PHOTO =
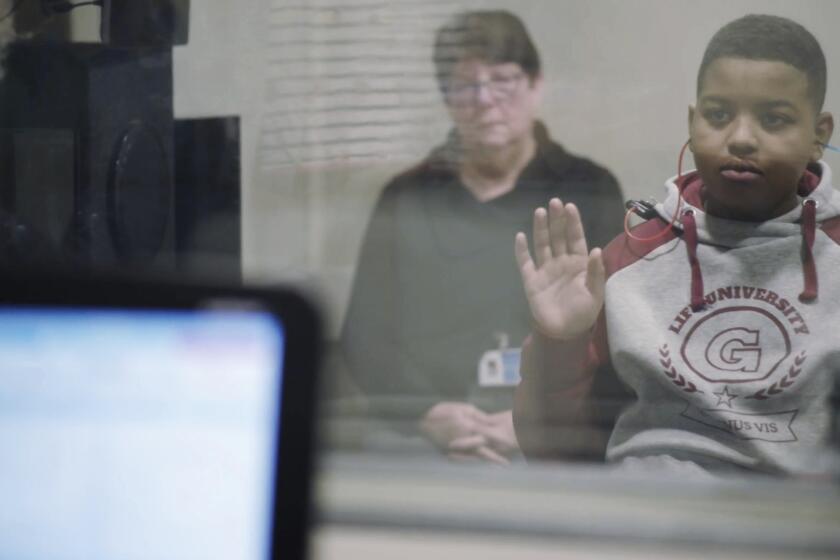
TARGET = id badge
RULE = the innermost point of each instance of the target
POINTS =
(499, 368)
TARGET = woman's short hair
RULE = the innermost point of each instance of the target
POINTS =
(493, 36)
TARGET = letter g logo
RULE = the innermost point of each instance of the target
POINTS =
(735, 349)
(719, 352)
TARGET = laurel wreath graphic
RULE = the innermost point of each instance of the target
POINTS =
(785, 382)
(671, 372)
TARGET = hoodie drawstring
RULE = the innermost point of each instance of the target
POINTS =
(809, 267)
(690, 229)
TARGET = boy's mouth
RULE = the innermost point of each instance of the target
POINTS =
(740, 171)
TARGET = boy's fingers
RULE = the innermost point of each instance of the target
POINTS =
(596, 274)
(542, 242)
(523, 256)
(557, 226)
(575, 238)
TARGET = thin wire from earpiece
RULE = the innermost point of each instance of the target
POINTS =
(676, 212)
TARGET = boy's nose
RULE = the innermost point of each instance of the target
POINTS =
(742, 139)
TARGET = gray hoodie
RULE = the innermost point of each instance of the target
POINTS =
(719, 330)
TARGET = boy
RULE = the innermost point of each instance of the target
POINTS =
(709, 314)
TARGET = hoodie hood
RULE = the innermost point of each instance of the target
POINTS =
(816, 185)
(818, 202)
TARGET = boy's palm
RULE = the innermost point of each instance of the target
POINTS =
(564, 283)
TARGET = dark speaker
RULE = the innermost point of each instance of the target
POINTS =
(139, 23)
(86, 150)
(208, 235)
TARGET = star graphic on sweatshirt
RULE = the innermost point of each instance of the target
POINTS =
(725, 397)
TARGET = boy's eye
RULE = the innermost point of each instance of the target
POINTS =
(773, 120)
(717, 116)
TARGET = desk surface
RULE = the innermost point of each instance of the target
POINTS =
(373, 506)
(357, 543)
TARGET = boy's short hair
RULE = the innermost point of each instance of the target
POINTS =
(771, 38)
(493, 36)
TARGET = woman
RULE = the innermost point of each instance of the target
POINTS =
(436, 285)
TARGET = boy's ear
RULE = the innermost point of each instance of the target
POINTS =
(690, 127)
(823, 129)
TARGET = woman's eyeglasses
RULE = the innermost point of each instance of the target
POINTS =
(501, 88)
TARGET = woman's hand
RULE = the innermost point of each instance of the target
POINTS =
(464, 432)
(495, 440)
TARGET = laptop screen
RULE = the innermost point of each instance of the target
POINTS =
(138, 433)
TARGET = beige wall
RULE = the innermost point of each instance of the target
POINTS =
(620, 75)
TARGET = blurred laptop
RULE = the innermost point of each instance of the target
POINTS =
(150, 420)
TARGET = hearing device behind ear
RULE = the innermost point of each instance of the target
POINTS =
(647, 209)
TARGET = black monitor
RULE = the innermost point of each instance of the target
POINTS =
(145, 419)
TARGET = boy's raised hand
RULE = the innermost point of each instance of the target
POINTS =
(564, 283)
